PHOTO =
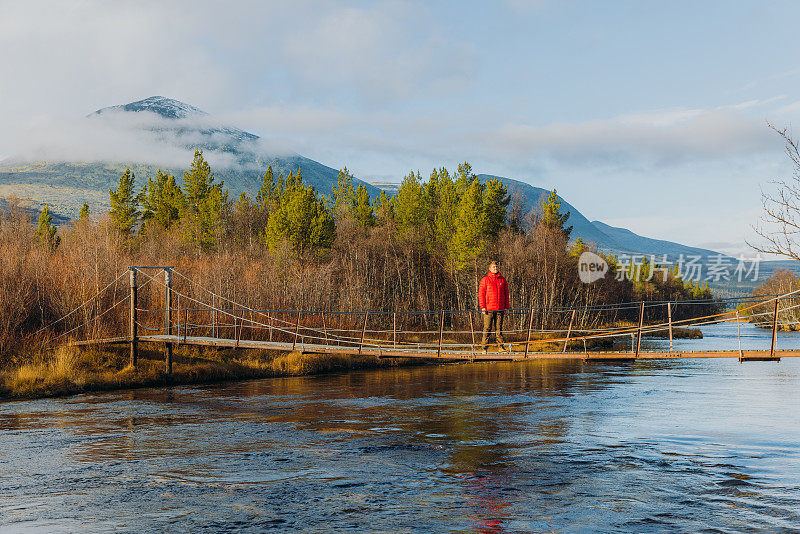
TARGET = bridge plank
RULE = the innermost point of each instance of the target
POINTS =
(446, 354)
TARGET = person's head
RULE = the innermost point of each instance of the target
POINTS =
(494, 267)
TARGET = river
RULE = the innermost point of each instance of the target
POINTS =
(566, 446)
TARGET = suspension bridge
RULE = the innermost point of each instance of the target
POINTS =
(168, 308)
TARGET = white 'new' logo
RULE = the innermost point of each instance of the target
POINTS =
(591, 267)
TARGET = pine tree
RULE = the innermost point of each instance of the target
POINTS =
(464, 177)
(268, 193)
(293, 181)
(46, 231)
(124, 204)
(343, 197)
(431, 201)
(197, 181)
(163, 201)
(204, 203)
(301, 219)
(209, 217)
(552, 217)
(448, 208)
(470, 226)
(578, 247)
(409, 204)
(495, 205)
(84, 214)
(362, 211)
(383, 208)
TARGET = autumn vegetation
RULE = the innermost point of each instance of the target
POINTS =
(780, 282)
(287, 246)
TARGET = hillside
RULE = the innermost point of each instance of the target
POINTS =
(605, 237)
(171, 128)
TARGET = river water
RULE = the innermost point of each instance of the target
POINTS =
(648, 446)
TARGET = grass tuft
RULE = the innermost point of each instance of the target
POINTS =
(69, 370)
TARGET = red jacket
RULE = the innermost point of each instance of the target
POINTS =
(493, 293)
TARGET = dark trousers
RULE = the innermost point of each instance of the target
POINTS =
(492, 320)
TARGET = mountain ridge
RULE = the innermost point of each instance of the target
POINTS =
(607, 238)
(159, 121)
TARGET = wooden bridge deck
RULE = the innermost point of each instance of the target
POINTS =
(446, 354)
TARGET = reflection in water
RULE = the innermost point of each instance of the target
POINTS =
(492, 447)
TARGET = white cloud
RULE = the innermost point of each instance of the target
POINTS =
(120, 137)
(386, 50)
(656, 139)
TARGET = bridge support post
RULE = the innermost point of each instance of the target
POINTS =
(134, 320)
(472, 329)
(669, 319)
(394, 329)
(441, 334)
(774, 330)
(237, 325)
(528, 339)
(325, 328)
(168, 319)
(296, 328)
(639, 331)
(739, 335)
(569, 330)
(363, 331)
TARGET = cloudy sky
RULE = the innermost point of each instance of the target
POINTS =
(649, 115)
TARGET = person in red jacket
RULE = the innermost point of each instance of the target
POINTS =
(493, 300)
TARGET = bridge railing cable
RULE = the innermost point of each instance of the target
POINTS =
(79, 307)
(234, 315)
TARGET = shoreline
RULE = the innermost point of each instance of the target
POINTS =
(69, 371)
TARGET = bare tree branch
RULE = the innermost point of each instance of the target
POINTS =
(780, 222)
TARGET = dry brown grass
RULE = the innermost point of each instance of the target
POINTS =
(69, 370)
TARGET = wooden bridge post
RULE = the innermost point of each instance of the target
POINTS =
(324, 327)
(774, 330)
(472, 329)
(168, 319)
(739, 335)
(394, 329)
(363, 331)
(569, 330)
(296, 328)
(237, 326)
(528, 339)
(669, 319)
(441, 334)
(639, 331)
(134, 339)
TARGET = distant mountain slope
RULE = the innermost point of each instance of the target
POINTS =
(628, 241)
(158, 122)
(605, 237)
(33, 210)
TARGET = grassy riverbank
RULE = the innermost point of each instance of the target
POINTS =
(68, 370)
